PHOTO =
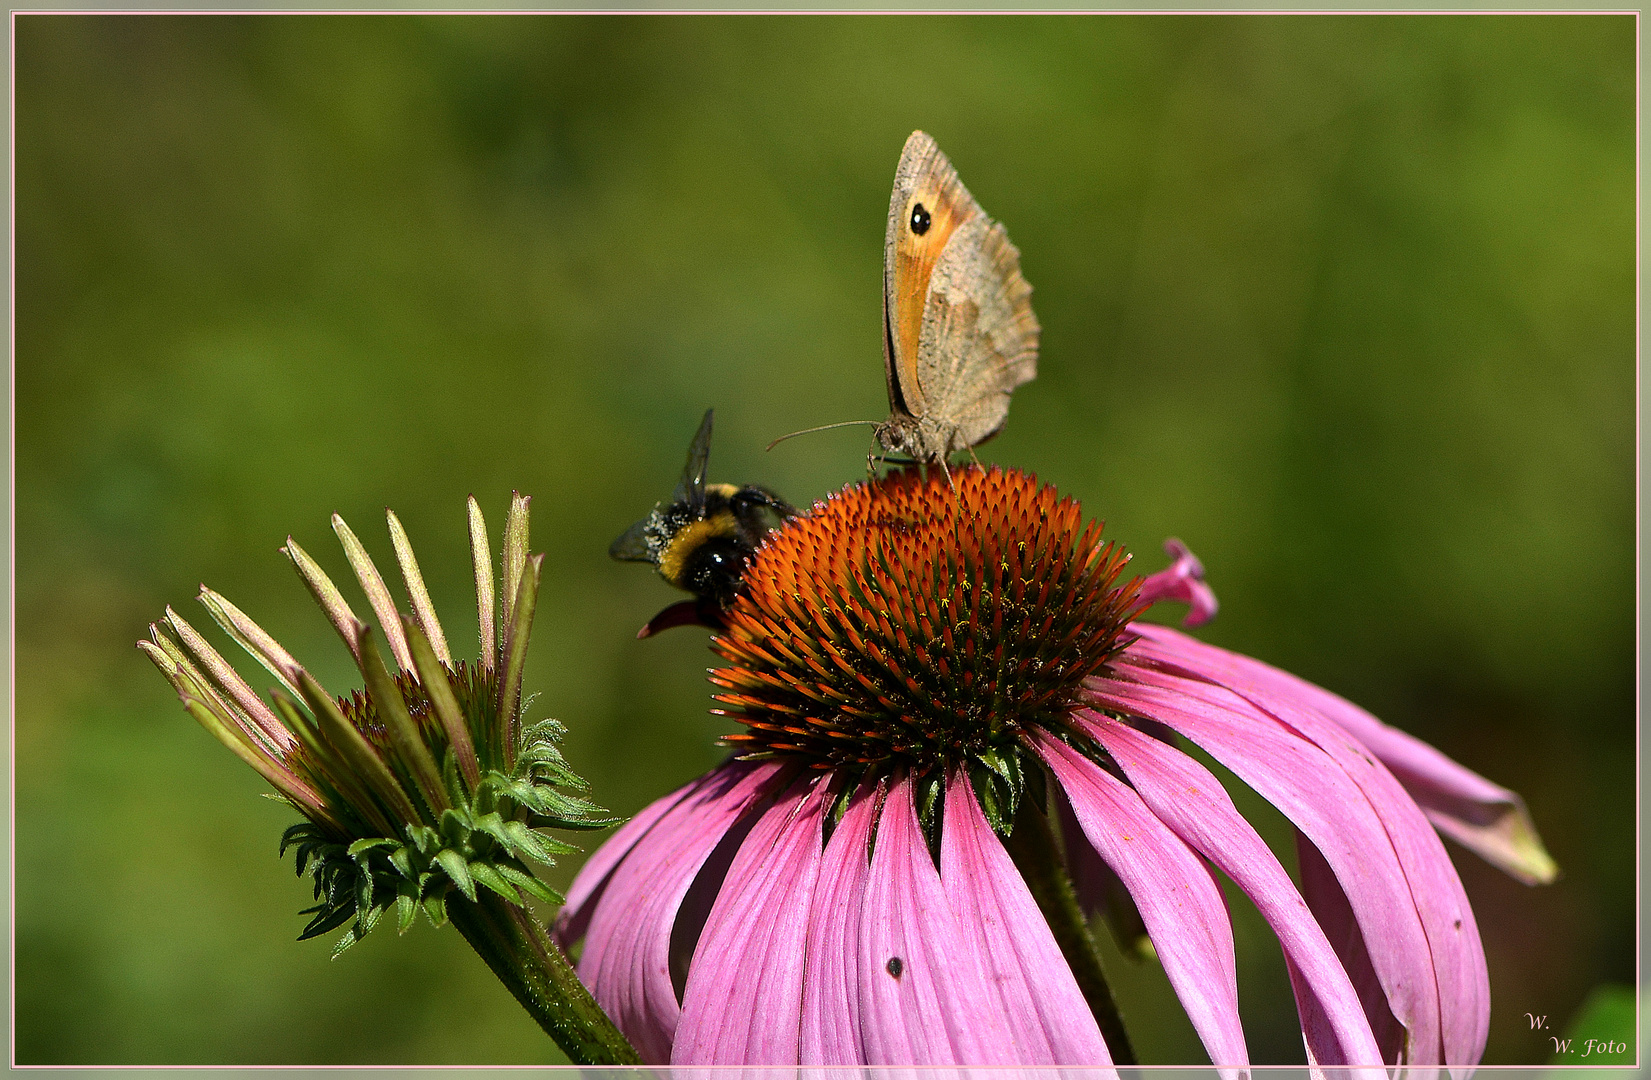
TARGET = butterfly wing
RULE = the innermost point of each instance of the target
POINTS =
(928, 205)
(978, 338)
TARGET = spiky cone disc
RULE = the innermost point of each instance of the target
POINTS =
(920, 622)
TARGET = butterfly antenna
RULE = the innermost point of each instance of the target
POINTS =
(822, 427)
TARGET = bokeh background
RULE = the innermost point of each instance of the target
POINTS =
(1345, 302)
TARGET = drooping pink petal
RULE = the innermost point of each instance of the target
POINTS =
(1182, 580)
(592, 879)
(1191, 801)
(1326, 804)
(1099, 890)
(1178, 898)
(1049, 1021)
(743, 1001)
(921, 975)
(1334, 913)
(626, 962)
(1453, 937)
(831, 984)
(1483, 817)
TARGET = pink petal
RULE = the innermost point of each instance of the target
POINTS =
(1334, 913)
(1099, 890)
(1483, 817)
(1323, 802)
(743, 1001)
(1027, 977)
(590, 883)
(831, 987)
(1192, 802)
(920, 973)
(1183, 580)
(626, 962)
(1178, 898)
(1453, 937)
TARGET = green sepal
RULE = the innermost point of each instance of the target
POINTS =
(999, 784)
(424, 838)
(455, 829)
(929, 789)
(456, 789)
(458, 871)
(538, 846)
(435, 907)
(529, 884)
(326, 918)
(406, 906)
(485, 874)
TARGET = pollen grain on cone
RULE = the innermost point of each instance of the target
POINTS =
(920, 622)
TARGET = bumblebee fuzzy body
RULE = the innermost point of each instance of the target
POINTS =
(703, 549)
(700, 540)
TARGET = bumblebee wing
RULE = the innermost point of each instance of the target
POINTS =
(691, 488)
(633, 545)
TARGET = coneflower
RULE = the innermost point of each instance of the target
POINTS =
(425, 790)
(948, 716)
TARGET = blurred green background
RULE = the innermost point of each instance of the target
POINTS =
(1345, 302)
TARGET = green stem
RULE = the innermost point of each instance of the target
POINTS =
(527, 961)
(1032, 846)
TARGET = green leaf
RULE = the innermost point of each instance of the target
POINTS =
(456, 789)
(492, 825)
(522, 841)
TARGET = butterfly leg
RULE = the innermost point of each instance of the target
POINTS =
(949, 481)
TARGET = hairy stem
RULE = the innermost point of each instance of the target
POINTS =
(527, 961)
(1032, 847)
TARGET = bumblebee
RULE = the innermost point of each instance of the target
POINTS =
(700, 539)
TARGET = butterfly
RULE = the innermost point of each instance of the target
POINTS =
(958, 329)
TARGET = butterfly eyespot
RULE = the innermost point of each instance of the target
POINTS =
(919, 219)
